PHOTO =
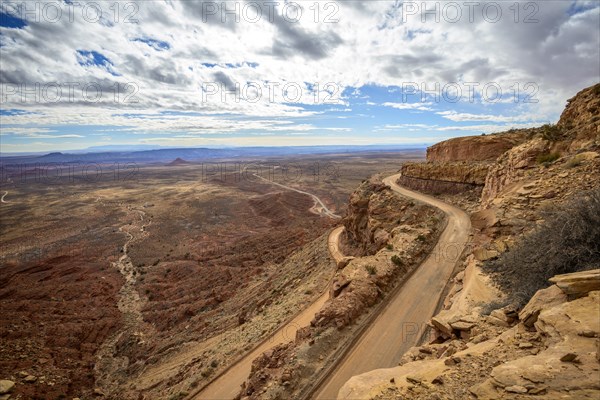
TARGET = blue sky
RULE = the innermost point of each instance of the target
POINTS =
(325, 73)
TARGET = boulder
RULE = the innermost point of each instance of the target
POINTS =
(544, 298)
(341, 264)
(578, 284)
(6, 386)
(441, 322)
(338, 285)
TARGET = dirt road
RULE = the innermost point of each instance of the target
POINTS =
(318, 208)
(2, 198)
(398, 326)
(227, 386)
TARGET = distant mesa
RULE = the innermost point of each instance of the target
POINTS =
(179, 161)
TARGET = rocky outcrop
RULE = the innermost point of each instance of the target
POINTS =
(373, 212)
(579, 283)
(580, 121)
(512, 166)
(450, 177)
(475, 148)
(557, 356)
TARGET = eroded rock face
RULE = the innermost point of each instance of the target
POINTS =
(475, 148)
(581, 118)
(511, 167)
(373, 212)
(444, 177)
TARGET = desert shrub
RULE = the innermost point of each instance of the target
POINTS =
(574, 162)
(178, 396)
(551, 132)
(487, 308)
(397, 260)
(547, 158)
(567, 241)
(371, 269)
(389, 246)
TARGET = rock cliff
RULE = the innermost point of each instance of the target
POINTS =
(444, 177)
(475, 148)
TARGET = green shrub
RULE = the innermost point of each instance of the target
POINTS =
(397, 260)
(547, 158)
(551, 132)
(389, 246)
(371, 269)
(567, 241)
(574, 162)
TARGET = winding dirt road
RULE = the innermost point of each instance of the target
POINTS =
(399, 325)
(397, 328)
(227, 386)
(319, 207)
(2, 198)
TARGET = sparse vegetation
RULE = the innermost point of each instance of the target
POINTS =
(574, 162)
(371, 269)
(487, 308)
(389, 246)
(397, 260)
(178, 396)
(551, 132)
(547, 158)
(568, 241)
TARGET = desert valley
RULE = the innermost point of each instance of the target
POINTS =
(299, 200)
(283, 277)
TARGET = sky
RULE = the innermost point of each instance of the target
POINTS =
(75, 74)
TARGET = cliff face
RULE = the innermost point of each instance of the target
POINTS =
(372, 214)
(447, 177)
(573, 142)
(475, 148)
(461, 164)
(581, 118)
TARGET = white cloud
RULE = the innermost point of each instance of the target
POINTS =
(370, 44)
(468, 117)
(409, 106)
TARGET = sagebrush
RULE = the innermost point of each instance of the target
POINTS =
(567, 241)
